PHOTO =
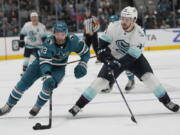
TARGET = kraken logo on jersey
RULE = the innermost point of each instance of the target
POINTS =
(123, 46)
(32, 36)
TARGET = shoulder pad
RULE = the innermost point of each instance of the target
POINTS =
(73, 37)
(141, 32)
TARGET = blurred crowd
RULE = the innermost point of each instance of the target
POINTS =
(14, 13)
(164, 16)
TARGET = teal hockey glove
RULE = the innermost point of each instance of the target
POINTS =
(80, 70)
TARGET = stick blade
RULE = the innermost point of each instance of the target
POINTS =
(38, 126)
(133, 119)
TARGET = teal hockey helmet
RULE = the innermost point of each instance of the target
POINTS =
(61, 26)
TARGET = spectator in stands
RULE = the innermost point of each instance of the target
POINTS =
(170, 18)
(150, 20)
(14, 23)
(164, 25)
(163, 6)
(6, 27)
(72, 11)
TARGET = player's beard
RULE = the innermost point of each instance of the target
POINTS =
(126, 27)
(60, 41)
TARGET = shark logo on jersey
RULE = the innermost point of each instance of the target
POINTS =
(50, 41)
(71, 37)
(122, 45)
(63, 53)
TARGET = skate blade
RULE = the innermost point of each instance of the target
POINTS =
(31, 117)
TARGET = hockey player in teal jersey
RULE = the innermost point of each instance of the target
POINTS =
(50, 65)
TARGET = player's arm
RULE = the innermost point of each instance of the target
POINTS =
(22, 35)
(44, 35)
(105, 40)
(135, 50)
(105, 56)
(83, 51)
(45, 56)
(133, 53)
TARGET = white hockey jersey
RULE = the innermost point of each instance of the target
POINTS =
(122, 43)
(33, 34)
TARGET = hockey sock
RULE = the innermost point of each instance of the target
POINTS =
(14, 97)
(130, 75)
(86, 97)
(159, 91)
(43, 97)
(165, 99)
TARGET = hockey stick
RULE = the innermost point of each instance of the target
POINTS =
(38, 126)
(79, 60)
(132, 115)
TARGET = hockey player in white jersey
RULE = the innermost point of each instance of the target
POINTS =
(31, 36)
(131, 81)
(121, 48)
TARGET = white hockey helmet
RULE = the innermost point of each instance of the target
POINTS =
(130, 12)
(34, 14)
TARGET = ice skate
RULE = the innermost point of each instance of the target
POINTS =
(5, 109)
(74, 110)
(34, 111)
(130, 85)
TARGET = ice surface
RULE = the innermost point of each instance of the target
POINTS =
(107, 113)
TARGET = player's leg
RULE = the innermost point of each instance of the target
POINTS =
(144, 72)
(48, 86)
(101, 82)
(88, 40)
(128, 87)
(29, 77)
(109, 88)
(131, 82)
(95, 45)
(33, 56)
(27, 53)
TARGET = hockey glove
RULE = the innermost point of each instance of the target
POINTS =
(104, 54)
(80, 70)
(48, 82)
(113, 64)
(21, 43)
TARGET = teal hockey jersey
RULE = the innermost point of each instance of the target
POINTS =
(52, 54)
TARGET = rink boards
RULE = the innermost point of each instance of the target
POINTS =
(157, 39)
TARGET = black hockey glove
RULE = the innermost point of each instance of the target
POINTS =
(21, 43)
(113, 64)
(104, 54)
